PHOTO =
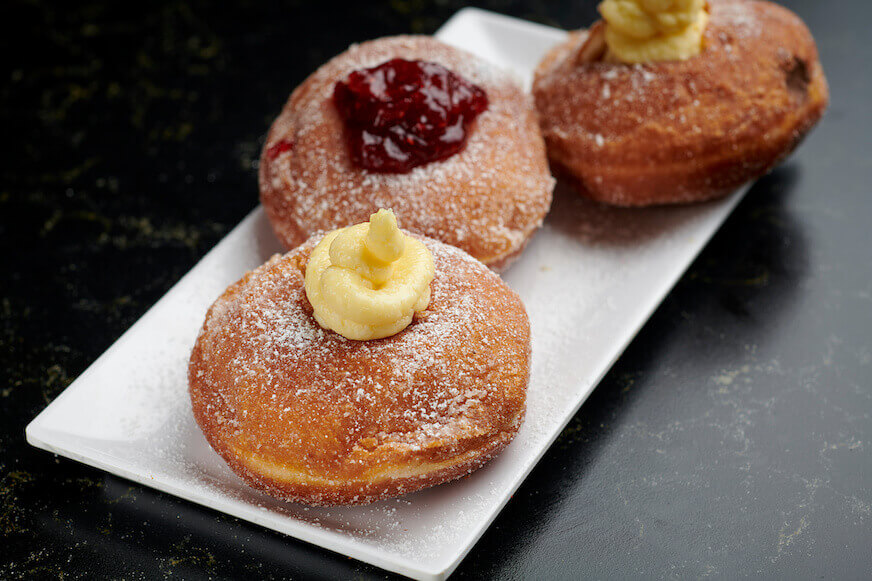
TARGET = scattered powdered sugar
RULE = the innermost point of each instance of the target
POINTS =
(740, 17)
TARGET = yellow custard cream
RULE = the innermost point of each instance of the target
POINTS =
(643, 31)
(367, 281)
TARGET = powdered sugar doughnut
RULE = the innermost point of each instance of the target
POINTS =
(488, 199)
(682, 131)
(309, 416)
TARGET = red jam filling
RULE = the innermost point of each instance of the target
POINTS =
(402, 114)
(273, 151)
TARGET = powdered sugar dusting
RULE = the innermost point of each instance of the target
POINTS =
(741, 18)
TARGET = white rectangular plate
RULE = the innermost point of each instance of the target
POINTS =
(590, 280)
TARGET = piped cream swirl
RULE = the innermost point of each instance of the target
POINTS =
(642, 31)
(367, 281)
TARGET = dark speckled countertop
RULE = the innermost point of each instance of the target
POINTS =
(732, 439)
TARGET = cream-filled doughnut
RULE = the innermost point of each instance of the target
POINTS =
(307, 415)
(739, 89)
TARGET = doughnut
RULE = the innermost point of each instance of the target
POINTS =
(685, 130)
(487, 199)
(308, 416)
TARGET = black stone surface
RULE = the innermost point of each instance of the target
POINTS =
(732, 439)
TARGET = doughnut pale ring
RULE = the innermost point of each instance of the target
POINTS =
(309, 416)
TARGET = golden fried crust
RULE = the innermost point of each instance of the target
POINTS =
(683, 131)
(309, 416)
(488, 199)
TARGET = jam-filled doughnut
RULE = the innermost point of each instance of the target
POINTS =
(689, 129)
(447, 140)
(307, 415)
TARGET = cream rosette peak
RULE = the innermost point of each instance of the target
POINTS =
(367, 281)
(642, 31)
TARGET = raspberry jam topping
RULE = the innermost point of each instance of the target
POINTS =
(402, 114)
(279, 148)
